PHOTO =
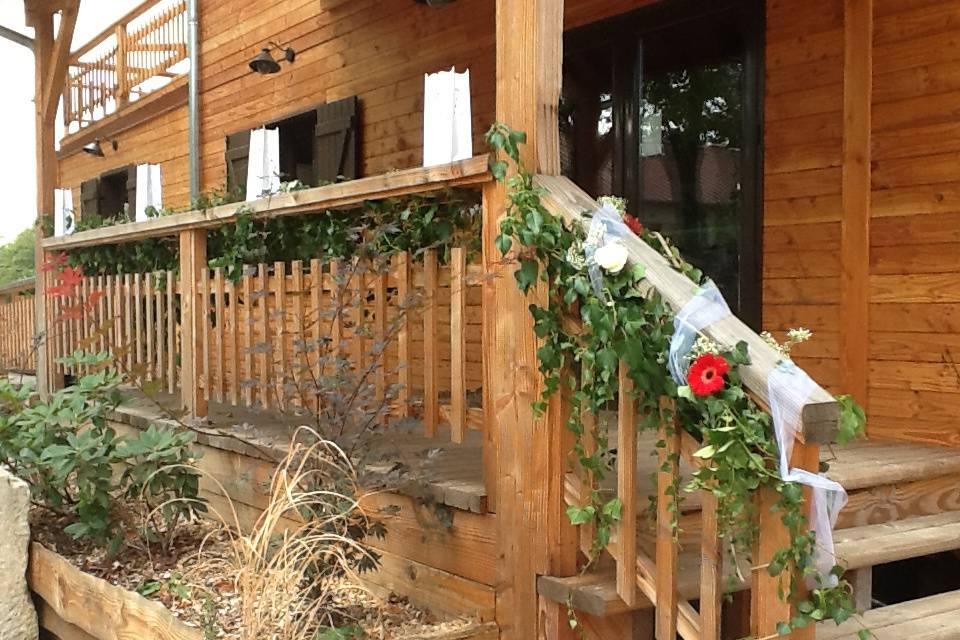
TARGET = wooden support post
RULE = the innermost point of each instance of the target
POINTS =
(667, 557)
(855, 220)
(767, 609)
(531, 468)
(123, 84)
(193, 265)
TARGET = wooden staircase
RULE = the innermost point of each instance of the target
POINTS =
(904, 504)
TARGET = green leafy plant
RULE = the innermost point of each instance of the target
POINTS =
(626, 321)
(65, 448)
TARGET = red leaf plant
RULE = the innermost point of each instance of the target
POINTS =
(706, 374)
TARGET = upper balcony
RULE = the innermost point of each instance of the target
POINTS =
(142, 52)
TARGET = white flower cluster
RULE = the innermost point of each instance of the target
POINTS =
(794, 337)
(701, 346)
(618, 204)
(575, 257)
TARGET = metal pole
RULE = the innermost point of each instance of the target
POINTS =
(16, 36)
(194, 98)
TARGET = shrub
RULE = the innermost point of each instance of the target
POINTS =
(78, 466)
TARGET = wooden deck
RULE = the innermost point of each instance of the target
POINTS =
(446, 473)
(886, 480)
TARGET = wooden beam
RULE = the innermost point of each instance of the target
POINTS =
(340, 195)
(531, 538)
(57, 70)
(15, 36)
(855, 221)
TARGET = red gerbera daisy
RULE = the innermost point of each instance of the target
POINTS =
(706, 374)
(633, 223)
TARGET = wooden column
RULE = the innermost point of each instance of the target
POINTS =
(193, 263)
(855, 221)
(534, 536)
(50, 59)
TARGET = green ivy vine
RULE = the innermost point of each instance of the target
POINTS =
(411, 223)
(585, 336)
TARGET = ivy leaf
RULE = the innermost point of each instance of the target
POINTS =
(498, 169)
(527, 274)
(685, 392)
(864, 634)
(705, 453)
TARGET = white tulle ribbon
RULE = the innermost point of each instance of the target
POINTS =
(706, 307)
(789, 387)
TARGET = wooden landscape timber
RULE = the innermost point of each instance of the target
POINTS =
(96, 608)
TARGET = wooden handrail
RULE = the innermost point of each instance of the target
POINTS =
(340, 195)
(131, 15)
(820, 414)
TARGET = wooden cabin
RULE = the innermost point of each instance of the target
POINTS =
(804, 154)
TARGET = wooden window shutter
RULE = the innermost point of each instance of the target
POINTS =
(238, 150)
(131, 209)
(90, 198)
(336, 146)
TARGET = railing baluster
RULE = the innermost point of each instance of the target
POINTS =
(627, 490)
(431, 364)
(380, 336)
(151, 330)
(666, 546)
(711, 569)
(264, 346)
(315, 317)
(162, 312)
(205, 332)
(458, 344)
(220, 316)
(248, 342)
(404, 337)
(171, 334)
(234, 344)
(280, 318)
(128, 320)
(298, 347)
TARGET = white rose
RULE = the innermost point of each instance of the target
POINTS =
(611, 257)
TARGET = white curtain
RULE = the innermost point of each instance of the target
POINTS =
(149, 189)
(63, 218)
(447, 122)
(263, 163)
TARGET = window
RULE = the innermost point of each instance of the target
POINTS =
(317, 147)
(662, 107)
(112, 195)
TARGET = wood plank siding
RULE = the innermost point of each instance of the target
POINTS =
(379, 50)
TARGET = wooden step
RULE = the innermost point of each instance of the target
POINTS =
(858, 547)
(933, 618)
(875, 544)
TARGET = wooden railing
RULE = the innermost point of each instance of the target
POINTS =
(653, 572)
(242, 343)
(136, 55)
(16, 328)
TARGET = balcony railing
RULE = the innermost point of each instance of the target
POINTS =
(140, 53)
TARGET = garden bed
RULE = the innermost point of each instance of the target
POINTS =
(80, 604)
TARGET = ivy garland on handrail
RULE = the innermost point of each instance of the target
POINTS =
(583, 340)
(387, 226)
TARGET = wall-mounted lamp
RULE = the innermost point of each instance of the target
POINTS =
(95, 148)
(265, 63)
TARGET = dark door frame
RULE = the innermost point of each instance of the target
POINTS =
(627, 79)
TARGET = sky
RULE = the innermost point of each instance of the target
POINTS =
(17, 161)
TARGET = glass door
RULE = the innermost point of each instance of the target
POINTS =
(661, 107)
